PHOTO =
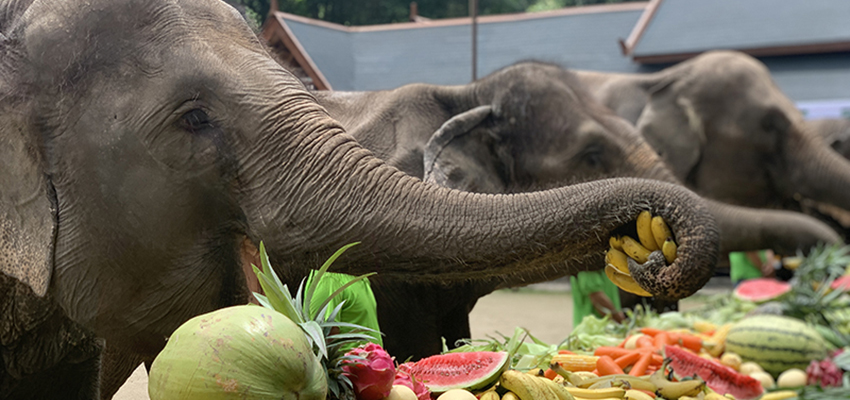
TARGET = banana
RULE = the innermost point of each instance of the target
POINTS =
(625, 281)
(635, 250)
(560, 390)
(669, 249)
(526, 387)
(489, 395)
(536, 371)
(780, 395)
(510, 396)
(633, 394)
(675, 390)
(618, 259)
(644, 231)
(617, 393)
(633, 382)
(615, 242)
(660, 231)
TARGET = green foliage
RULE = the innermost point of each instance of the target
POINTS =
(370, 12)
(320, 329)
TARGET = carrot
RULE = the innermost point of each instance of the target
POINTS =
(673, 338)
(650, 331)
(660, 340)
(550, 373)
(656, 359)
(613, 352)
(691, 342)
(644, 342)
(606, 366)
(628, 359)
(651, 394)
(565, 352)
(639, 369)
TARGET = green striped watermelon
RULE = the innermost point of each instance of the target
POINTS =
(776, 343)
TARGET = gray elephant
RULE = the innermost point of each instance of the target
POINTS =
(143, 141)
(728, 132)
(527, 127)
(836, 134)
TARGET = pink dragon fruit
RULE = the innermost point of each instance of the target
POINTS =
(824, 373)
(372, 377)
(403, 377)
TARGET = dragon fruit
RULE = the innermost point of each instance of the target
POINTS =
(824, 373)
(373, 375)
(403, 377)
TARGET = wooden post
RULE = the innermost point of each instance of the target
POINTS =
(273, 7)
(473, 12)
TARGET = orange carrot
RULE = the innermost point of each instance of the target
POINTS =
(639, 369)
(644, 342)
(650, 331)
(565, 352)
(673, 338)
(606, 366)
(651, 394)
(660, 340)
(691, 342)
(613, 352)
(550, 373)
(628, 359)
(656, 359)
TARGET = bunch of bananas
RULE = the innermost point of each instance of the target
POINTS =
(530, 387)
(653, 235)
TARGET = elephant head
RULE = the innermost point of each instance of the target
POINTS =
(728, 132)
(147, 139)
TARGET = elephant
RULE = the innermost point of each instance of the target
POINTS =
(836, 133)
(143, 141)
(526, 127)
(727, 131)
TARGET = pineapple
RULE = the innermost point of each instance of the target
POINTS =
(321, 329)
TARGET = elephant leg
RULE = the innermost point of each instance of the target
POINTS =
(117, 365)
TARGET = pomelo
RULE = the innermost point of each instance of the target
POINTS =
(761, 289)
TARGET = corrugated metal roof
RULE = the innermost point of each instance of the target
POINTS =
(693, 26)
(441, 54)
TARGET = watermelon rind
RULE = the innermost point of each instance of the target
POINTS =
(776, 343)
(466, 370)
(761, 290)
(718, 377)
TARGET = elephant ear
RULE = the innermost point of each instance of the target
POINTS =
(672, 126)
(459, 155)
(27, 213)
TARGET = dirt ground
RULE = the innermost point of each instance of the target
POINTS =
(545, 310)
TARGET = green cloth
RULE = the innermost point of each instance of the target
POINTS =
(359, 308)
(585, 283)
(741, 268)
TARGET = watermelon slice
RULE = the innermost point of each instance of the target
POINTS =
(471, 370)
(718, 377)
(761, 289)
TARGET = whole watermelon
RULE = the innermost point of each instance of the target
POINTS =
(240, 352)
(776, 343)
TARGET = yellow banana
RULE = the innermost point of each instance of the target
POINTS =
(559, 390)
(633, 394)
(618, 259)
(616, 393)
(536, 371)
(714, 396)
(510, 396)
(615, 242)
(644, 231)
(625, 281)
(660, 231)
(669, 249)
(635, 250)
(633, 382)
(525, 386)
(675, 390)
(780, 395)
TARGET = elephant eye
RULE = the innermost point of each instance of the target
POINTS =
(593, 156)
(195, 121)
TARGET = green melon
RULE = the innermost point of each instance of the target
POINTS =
(775, 343)
(241, 352)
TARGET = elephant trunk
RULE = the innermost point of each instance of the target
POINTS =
(747, 229)
(332, 192)
(816, 172)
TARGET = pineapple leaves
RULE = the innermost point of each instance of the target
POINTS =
(316, 336)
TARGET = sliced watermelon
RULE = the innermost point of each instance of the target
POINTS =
(841, 283)
(470, 370)
(718, 377)
(761, 289)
